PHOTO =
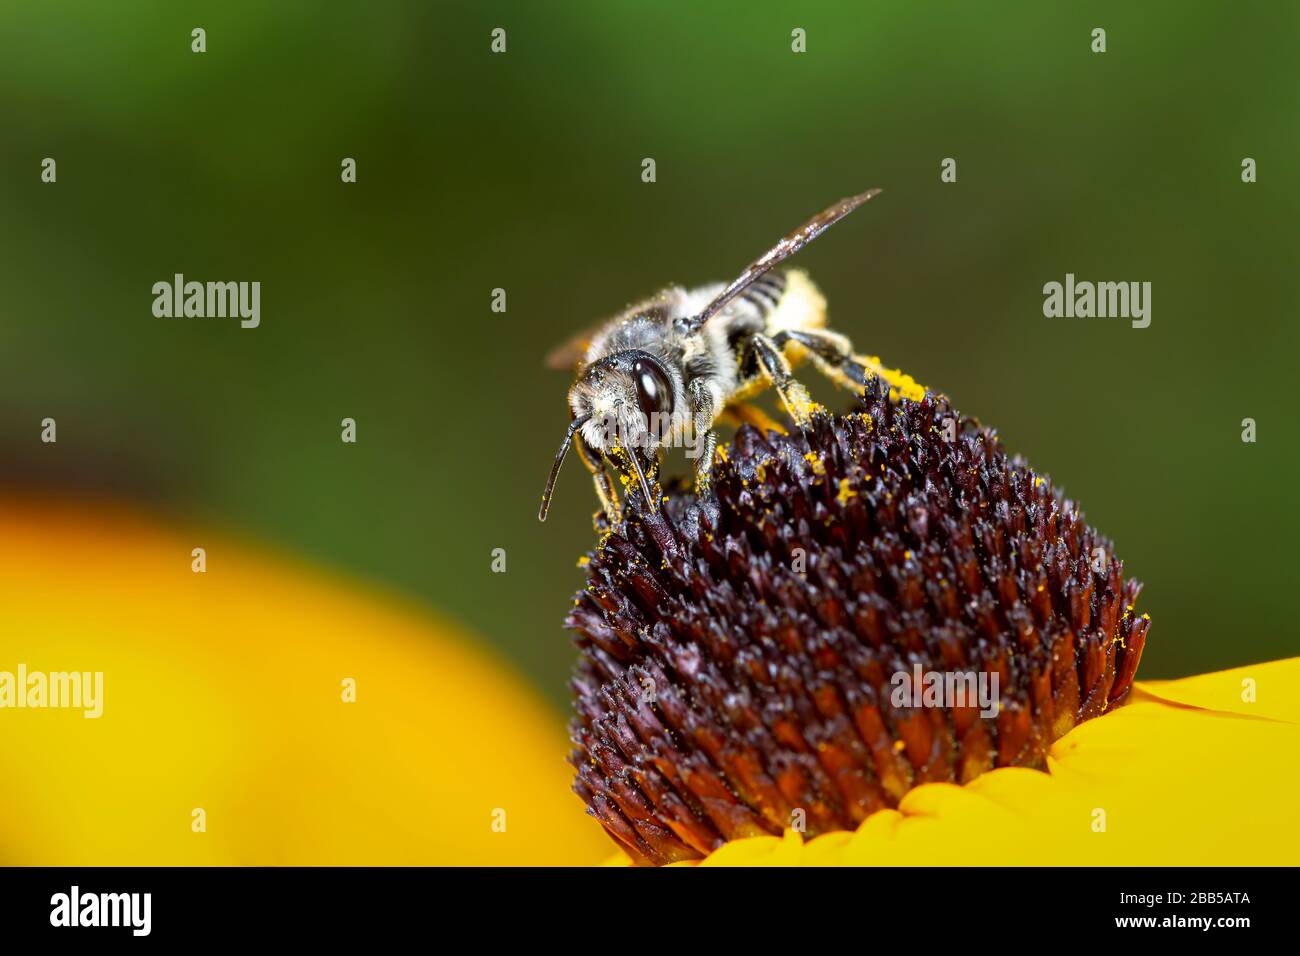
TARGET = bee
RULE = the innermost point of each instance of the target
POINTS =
(663, 371)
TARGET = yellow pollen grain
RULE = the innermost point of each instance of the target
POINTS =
(846, 492)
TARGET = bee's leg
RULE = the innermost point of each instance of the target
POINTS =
(604, 484)
(704, 412)
(833, 354)
(704, 465)
(793, 395)
(637, 470)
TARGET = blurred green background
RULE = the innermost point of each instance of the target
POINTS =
(522, 171)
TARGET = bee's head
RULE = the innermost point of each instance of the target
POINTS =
(625, 403)
(628, 399)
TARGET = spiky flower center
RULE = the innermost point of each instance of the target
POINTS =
(745, 675)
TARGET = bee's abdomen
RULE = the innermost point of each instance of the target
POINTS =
(792, 302)
(766, 292)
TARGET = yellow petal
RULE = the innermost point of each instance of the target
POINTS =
(786, 850)
(1257, 690)
(1190, 773)
(223, 692)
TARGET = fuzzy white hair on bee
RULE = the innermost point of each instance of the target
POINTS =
(665, 369)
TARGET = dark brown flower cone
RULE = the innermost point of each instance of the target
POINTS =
(738, 671)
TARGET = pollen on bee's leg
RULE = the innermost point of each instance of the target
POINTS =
(881, 600)
(798, 403)
(901, 385)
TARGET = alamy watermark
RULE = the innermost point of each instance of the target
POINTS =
(918, 688)
(75, 908)
(634, 429)
(1101, 300)
(212, 300)
(72, 690)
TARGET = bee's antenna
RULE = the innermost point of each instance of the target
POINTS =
(559, 460)
(783, 250)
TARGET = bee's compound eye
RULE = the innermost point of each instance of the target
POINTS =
(653, 393)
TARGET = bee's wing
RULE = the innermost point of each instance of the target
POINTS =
(567, 357)
(660, 307)
(783, 250)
